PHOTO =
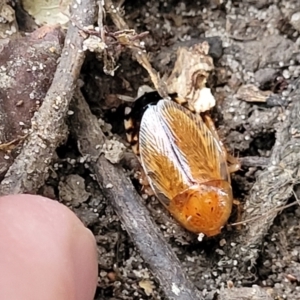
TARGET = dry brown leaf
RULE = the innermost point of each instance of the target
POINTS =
(189, 76)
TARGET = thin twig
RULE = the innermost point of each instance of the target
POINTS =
(271, 191)
(254, 161)
(120, 192)
(140, 55)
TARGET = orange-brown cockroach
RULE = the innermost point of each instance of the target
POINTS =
(186, 167)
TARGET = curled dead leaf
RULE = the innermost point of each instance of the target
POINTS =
(189, 76)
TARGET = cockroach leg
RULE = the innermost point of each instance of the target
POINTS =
(239, 210)
(237, 216)
(144, 182)
(233, 163)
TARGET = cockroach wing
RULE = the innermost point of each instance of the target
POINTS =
(197, 149)
(159, 161)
